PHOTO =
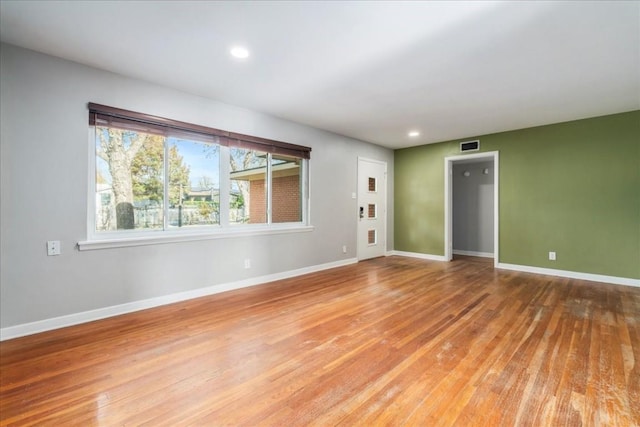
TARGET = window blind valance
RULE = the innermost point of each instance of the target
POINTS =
(102, 115)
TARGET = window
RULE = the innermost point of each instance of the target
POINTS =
(130, 181)
(373, 211)
(194, 183)
(154, 175)
(372, 237)
(373, 185)
(286, 182)
(248, 178)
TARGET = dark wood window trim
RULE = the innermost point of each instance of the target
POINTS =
(103, 115)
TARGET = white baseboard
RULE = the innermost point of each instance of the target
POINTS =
(571, 274)
(102, 313)
(537, 270)
(473, 253)
(418, 255)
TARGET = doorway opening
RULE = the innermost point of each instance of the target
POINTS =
(471, 206)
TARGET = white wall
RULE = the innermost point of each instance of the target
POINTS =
(473, 207)
(44, 173)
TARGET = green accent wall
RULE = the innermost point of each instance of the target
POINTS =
(572, 188)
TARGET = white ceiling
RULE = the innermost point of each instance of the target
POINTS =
(369, 70)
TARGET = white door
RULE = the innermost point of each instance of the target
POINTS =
(372, 208)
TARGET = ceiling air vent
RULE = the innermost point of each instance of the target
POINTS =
(470, 145)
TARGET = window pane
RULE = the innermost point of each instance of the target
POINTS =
(372, 237)
(194, 183)
(247, 201)
(372, 211)
(129, 180)
(285, 184)
(372, 185)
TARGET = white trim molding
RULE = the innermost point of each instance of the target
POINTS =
(448, 200)
(529, 269)
(571, 274)
(161, 237)
(418, 255)
(473, 253)
(116, 310)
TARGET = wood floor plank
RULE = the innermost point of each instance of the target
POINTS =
(390, 341)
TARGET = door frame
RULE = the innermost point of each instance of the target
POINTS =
(384, 210)
(448, 200)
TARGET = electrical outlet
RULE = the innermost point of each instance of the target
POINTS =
(344, 249)
(552, 256)
(53, 247)
(247, 263)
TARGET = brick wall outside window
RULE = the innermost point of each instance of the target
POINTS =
(257, 203)
(285, 200)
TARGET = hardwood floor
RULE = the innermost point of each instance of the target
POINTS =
(390, 341)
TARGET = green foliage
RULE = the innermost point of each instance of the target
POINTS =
(205, 209)
(179, 184)
(237, 202)
(147, 170)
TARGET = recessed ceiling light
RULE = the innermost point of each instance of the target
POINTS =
(414, 133)
(239, 52)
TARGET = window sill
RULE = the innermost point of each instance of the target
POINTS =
(162, 237)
